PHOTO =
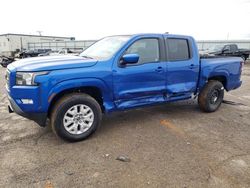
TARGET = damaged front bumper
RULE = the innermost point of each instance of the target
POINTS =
(39, 118)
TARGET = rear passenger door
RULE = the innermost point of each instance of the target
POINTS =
(182, 68)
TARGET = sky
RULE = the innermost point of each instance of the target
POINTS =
(94, 19)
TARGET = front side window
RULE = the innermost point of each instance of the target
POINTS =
(227, 48)
(216, 48)
(233, 48)
(147, 49)
(105, 48)
(178, 49)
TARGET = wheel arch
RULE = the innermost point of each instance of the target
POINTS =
(93, 87)
(220, 78)
(93, 91)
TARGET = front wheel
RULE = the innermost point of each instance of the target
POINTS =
(75, 117)
(211, 97)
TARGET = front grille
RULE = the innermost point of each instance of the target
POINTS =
(7, 77)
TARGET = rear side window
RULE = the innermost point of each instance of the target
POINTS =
(178, 49)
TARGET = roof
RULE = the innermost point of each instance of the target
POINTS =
(161, 34)
(15, 34)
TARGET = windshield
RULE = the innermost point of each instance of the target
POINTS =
(105, 48)
(216, 48)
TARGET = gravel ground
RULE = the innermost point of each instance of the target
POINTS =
(172, 145)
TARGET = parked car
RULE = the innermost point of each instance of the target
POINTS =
(230, 50)
(5, 61)
(117, 73)
(32, 53)
(67, 51)
(45, 54)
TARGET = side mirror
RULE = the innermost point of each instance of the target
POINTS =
(129, 59)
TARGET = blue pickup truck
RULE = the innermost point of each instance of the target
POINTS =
(117, 73)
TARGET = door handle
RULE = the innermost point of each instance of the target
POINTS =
(159, 69)
(192, 66)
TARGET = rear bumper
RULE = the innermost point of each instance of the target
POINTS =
(39, 118)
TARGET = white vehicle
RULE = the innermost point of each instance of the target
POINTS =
(66, 51)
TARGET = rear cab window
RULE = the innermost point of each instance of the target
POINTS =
(178, 49)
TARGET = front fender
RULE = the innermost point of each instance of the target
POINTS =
(84, 82)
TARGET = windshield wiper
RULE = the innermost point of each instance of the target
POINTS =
(88, 57)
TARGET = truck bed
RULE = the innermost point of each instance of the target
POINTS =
(229, 69)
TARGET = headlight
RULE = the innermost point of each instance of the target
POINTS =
(27, 78)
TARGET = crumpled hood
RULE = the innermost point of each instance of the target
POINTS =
(52, 63)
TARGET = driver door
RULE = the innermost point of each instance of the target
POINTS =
(144, 82)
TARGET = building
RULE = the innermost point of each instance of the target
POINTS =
(10, 43)
(57, 45)
(207, 44)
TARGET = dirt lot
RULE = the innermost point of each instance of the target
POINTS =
(173, 145)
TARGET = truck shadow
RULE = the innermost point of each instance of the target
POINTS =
(153, 114)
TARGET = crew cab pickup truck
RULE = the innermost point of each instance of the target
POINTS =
(230, 50)
(117, 73)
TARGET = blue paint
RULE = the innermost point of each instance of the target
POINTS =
(122, 87)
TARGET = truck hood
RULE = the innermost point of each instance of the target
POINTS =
(52, 63)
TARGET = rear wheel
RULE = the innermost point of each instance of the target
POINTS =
(211, 97)
(75, 117)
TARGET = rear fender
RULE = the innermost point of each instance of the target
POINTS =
(208, 73)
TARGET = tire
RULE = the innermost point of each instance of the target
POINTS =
(74, 108)
(211, 96)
